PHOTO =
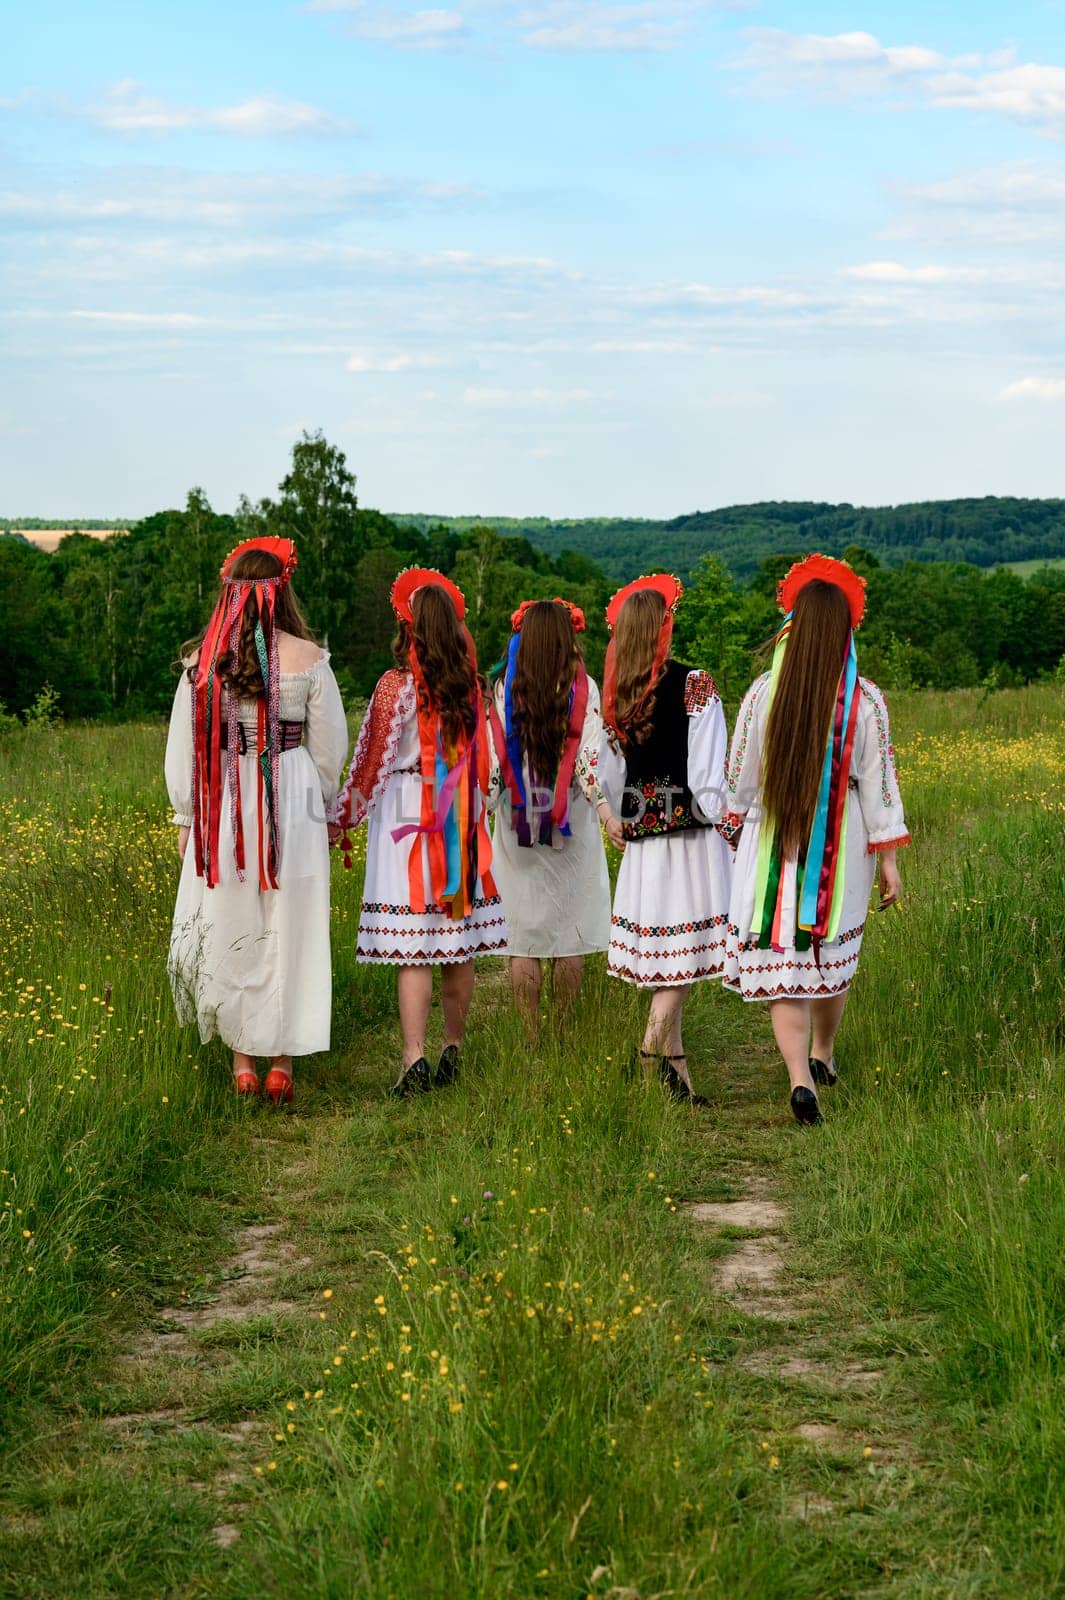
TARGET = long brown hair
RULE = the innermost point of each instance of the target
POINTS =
(800, 717)
(440, 642)
(242, 672)
(635, 641)
(546, 665)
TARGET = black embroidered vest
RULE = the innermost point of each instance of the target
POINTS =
(657, 797)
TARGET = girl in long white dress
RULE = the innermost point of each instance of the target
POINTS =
(814, 802)
(257, 739)
(420, 773)
(549, 861)
(662, 768)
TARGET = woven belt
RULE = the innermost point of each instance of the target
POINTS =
(407, 772)
(291, 736)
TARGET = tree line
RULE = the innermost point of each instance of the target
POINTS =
(982, 532)
(98, 622)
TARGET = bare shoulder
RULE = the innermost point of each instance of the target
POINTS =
(298, 655)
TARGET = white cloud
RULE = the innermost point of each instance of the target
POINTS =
(1017, 203)
(894, 272)
(1035, 389)
(119, 319)
(169, 196)
(853, 65)
(127, 109)
(363, 361)
(500, 399)
(555, 25)
(583, 25)
(426, 29)
(1027, 93)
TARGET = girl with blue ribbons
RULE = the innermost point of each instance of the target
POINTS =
(548, 860)
(813, 800)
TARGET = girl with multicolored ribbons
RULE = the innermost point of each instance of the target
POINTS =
(814, 800)
(420, 773)
(257, 740)
(549, 864)
(662, 767)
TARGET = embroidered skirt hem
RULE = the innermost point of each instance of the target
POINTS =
(394, 935)
(756, 974)
(670, 910)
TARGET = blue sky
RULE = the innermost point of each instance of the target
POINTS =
(543, 257)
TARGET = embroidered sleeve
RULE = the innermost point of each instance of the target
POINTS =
(178, 766)
(586, 771)
(730, 827)
(707, 745)
(876, 775)
(744, 776)
(700, 691)
(375, 750)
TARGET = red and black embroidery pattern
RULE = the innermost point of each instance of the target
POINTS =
(700, 691)
(730, 827)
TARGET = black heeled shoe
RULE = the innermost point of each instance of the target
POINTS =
(415, 1079)
(824, 1072)
(447, 1068)
(804, 1106)
(675, 1085)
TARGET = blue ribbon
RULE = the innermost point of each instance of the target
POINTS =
(819, 833)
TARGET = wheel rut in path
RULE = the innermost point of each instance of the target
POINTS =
(176, 1352)
(835, 1418)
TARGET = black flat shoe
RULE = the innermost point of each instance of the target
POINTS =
(824, 1072)
(415, 1079)
(805, 1107)
(447, 1068)
(675, 1085)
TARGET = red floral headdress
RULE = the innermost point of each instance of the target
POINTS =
(412, 579)
(829, 570)
(214, 709)
(671, 589)
(576, 615)
(283, 549)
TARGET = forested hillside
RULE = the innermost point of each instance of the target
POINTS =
(98, 624)
(983, 532)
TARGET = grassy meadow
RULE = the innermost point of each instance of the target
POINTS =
(492, 1360)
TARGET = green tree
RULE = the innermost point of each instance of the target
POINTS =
(316, 507)
(712, 629)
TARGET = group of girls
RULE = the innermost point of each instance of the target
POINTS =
(754, 867)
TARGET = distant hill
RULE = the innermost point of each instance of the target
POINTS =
(984, 532)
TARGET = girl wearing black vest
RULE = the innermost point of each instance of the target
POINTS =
(662, 767)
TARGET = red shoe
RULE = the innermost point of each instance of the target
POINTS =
(247, 1083)
(278, 1087)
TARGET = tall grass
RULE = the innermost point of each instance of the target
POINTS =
(522, 1382)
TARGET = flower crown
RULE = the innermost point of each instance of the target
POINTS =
(576, 615)
(283, 549)
(664, 583)
(829, 570)
(412, 579)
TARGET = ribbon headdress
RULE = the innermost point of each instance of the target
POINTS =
(671, 589)
(214, 707)
(457, 844)
(507, 734)
(805, 897)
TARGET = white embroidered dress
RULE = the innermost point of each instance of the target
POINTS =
(556, 897)
(672, 893)
(248, 965)
(384, 786)
(875, 821)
